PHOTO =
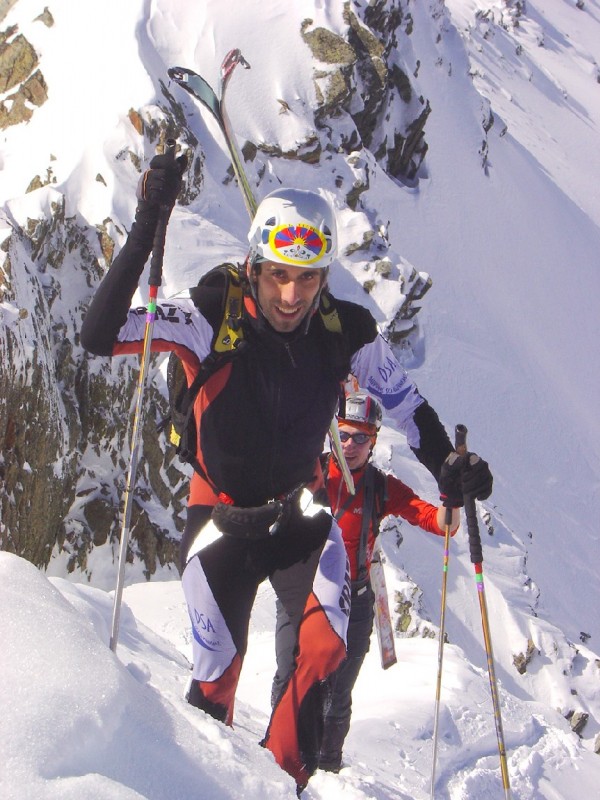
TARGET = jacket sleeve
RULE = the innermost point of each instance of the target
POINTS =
(108, 310)
(112, 327)
(403, 502)
(379, 372)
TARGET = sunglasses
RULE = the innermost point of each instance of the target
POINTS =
(357, 438)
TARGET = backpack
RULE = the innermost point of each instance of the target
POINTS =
(227, 343)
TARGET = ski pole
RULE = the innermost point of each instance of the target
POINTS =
(476, 552)
(201, 90)
(154, 280)
(438, 688)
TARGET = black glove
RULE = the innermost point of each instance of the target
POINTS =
(477, 479)
(158, 188)
(160, 185)
(450, 482)
(464, 476)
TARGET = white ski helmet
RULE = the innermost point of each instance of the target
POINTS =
(295, 227)
(362, 408)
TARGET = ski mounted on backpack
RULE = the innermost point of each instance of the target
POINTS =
(375, 498)
(201, 90)
(195, 85)
(383, 619)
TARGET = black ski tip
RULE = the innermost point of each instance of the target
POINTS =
(179, 73)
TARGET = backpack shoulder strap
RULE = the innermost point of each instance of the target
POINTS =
(380, 498)
(329, 314)
(374, 499)
(230, 333)
(219, 296)
(367, 516)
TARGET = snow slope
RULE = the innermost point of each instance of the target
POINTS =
(84, 723)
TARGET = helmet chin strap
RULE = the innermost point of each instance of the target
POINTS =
(252, 261)
(315, 303)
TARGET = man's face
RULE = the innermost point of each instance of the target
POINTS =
(355, 453)
(285, 293)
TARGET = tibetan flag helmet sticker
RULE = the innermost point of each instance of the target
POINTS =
(297, 244)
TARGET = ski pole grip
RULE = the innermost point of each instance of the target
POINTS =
(460, 439)
(158, 244)
(475, 549)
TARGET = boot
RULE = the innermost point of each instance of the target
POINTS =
(334, 734)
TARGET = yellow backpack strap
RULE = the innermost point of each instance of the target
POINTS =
(230, 332)
(329, 314)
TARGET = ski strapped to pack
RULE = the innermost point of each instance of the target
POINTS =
(375, 498)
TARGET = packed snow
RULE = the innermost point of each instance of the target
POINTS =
(82, 722)
(509, 233)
